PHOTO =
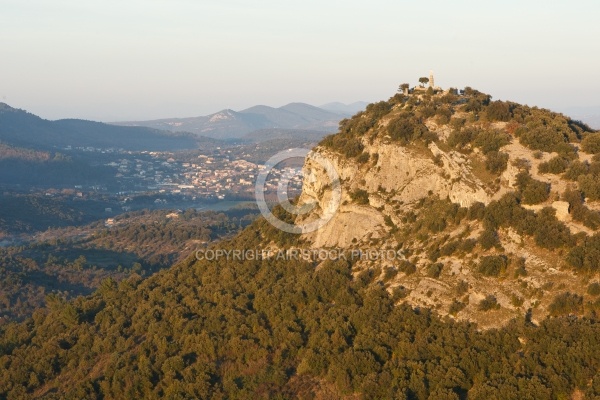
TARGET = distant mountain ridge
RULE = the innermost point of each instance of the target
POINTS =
(265, 135)
(589, 115)
(342, 108)
(23, 129)
(230, 124)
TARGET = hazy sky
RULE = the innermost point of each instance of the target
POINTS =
(142, 59)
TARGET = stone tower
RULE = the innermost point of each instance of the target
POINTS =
(431, 85)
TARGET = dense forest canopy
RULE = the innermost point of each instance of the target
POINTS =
(268, 328)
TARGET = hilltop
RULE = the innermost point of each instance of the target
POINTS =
(487, 200)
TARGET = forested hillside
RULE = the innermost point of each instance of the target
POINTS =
(281, 329)
(23, 129)
(73, 261)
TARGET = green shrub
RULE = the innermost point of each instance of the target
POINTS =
(348, 146)
(499, 111)
(536, 193)
(407, 267)
(399, 292)
(427, 111)
(457, 123)
(434, 270)
(593, 289)
(363, 158)
(491, 140)
(443, 115)
(566, 150)
(496, 162)
(476, 211)
(586, 256)
(476, 100)
(516, 301)
(576, 169)
(433, 254)
(489, 303)
(566, 303)
(532, 191)
(547, 132)
(489, 238)
(492, 265)
(456, 307)
(556, 165)
(389, 222)
(360, 196)
(462, 287)
(434, 222)
(461, 138)
(468, 245)
(591, 143)
(590, 186)
(375, 158)
(549, 232)
(389, 273)
(579, 212)
(378, 110)
(504, 211)
(449, 249)
(522, 164)
(406, 129)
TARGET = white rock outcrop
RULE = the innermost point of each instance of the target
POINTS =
(400, 175)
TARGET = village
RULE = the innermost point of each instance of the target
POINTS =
(214, 176)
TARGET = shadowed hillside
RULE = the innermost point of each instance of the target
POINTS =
(22, 129)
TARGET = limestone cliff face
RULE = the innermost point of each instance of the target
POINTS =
(399, 176)
(403, 176)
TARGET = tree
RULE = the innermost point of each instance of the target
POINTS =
(566, 303)
(532, 191)
(489, 303)
(79, 263)
(496, 162)
(493, 265)
(499, 111)
(423, 81)
(403, 87)
(591, 144)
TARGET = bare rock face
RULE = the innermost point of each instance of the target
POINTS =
(562, 210)
(399, 175)
(456, 179)
(510, 175)
(349, 222)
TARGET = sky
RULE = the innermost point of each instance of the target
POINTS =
(122, 60)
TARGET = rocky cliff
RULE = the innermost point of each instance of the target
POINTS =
(400, 161)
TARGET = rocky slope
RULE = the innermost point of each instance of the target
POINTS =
(399, 160)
